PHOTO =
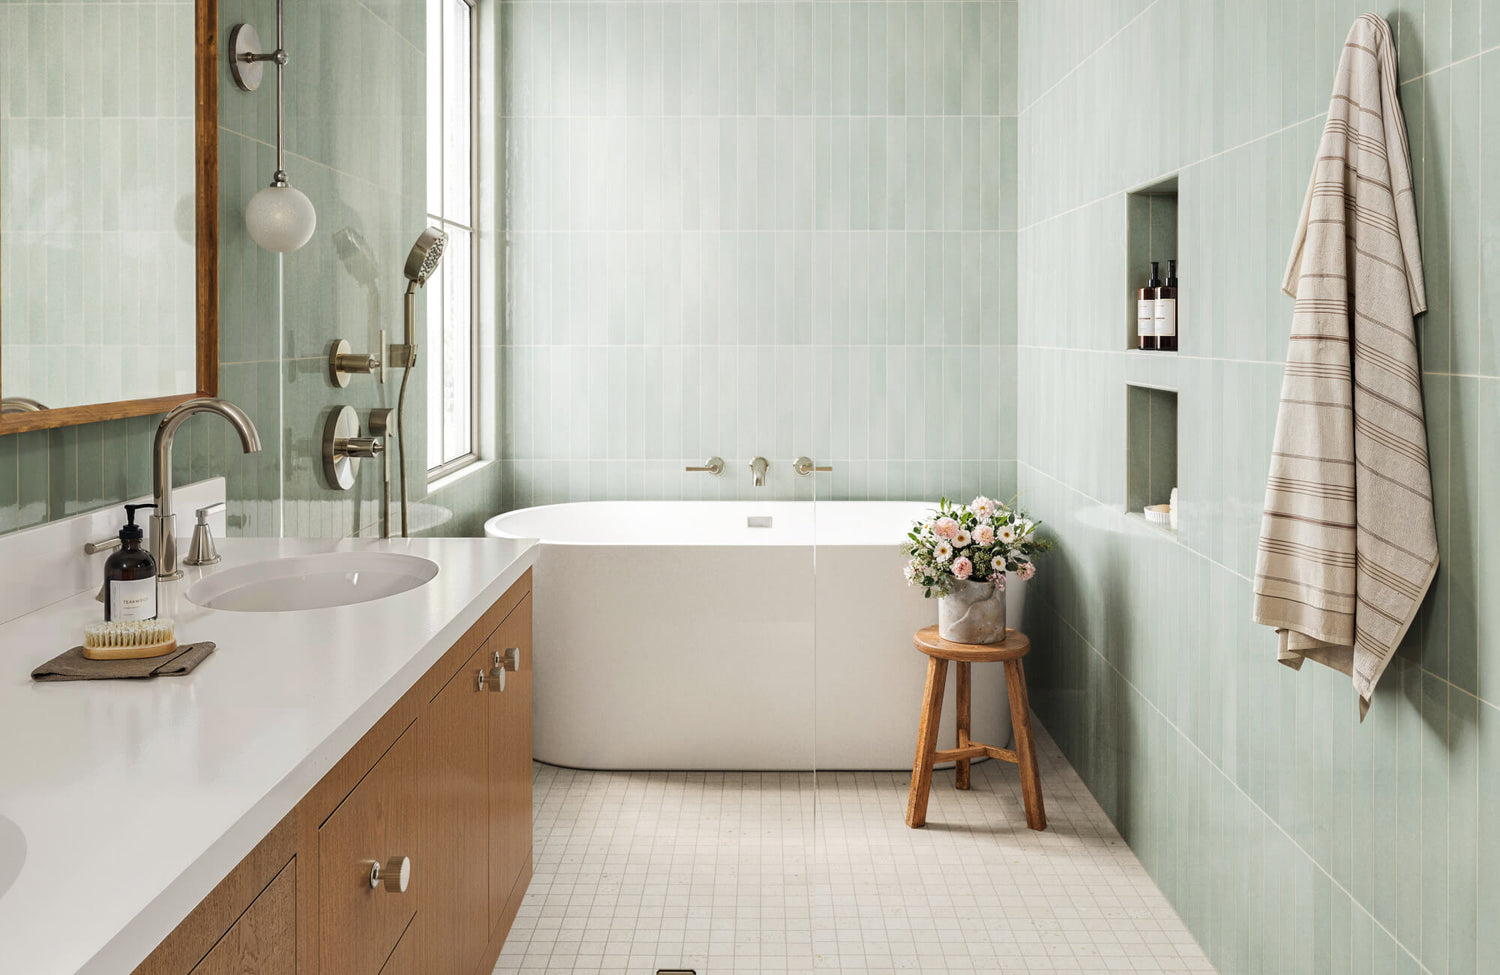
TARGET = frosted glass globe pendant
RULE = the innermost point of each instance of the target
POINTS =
(280, 217)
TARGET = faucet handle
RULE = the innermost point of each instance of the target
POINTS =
(207, 510)
(714, 466)
(201, 549)
(804, 466)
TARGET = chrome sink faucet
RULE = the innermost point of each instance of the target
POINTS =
(758, 470)
(164, 522)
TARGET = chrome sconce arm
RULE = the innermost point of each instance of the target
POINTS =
(279, 218)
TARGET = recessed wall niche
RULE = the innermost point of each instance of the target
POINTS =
(1151, 235)
(1150, 447)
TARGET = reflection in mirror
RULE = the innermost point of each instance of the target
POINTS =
(97, 202)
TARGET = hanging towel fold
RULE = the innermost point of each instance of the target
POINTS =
(1348, 545)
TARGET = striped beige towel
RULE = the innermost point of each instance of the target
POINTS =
(1348, 546)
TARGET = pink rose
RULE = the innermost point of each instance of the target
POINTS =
(1026, 571)
(984, 535)
(945, 528)
(962, 568)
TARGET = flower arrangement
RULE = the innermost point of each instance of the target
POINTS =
(980, 542)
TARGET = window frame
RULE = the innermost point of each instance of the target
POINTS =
(442, 221)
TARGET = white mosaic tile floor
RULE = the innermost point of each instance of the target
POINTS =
(768, 872)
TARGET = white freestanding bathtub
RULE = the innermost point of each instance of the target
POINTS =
(674, 635)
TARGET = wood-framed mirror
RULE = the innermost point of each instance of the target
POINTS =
(109, 210)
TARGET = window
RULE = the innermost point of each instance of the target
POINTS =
(452, 322)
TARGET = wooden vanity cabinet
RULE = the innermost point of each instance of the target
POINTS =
(443, 778)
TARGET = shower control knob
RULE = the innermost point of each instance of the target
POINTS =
(343, 447)
(394, 875)
(361, 446)
(342, 363)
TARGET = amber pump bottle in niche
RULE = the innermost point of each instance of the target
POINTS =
(130, 575)
(1166, 311)
(1145, 310)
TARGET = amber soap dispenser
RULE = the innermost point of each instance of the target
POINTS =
(1145, 309)
(130, 574)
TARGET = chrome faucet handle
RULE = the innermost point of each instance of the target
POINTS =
(102, 545)
(201, 549)
(714, 466)
(804, 466)
(203, 512)
(94, 548)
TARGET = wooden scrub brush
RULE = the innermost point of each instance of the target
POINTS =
(129, 640)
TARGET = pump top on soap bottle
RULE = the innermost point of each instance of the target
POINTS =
(1145, 310)
(130, 574)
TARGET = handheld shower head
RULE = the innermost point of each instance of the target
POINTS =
(425, 255)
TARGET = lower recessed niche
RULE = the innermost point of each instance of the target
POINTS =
(1151, 446)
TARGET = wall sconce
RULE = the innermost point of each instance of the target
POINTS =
(280, 218)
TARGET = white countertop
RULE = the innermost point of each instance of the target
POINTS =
(133, 799)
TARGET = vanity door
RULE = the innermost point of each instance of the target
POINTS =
(510, 763)
(455, 807)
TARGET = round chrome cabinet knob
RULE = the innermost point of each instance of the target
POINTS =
(395, 875)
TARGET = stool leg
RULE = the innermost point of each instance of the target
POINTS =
(921, 770)
(961, 767)
(1020, 717)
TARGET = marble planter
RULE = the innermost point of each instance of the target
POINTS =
(974, 612)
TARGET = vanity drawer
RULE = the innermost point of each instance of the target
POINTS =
(360, 924)
(263, 939)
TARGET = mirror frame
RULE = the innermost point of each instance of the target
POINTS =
(206, 179)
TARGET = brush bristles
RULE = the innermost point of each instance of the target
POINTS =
(133, 633)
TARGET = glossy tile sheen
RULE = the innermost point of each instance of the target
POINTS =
(1291, 836)
(782, 872)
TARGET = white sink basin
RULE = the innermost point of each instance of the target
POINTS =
(312, 582)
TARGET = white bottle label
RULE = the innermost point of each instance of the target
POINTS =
(134, 600)
(1166, 316)
(1145, 317)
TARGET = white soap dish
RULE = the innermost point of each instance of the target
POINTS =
(1159, 514)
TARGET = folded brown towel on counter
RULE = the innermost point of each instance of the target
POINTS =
(73, 665)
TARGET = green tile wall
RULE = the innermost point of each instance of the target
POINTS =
(355, 114)
(759, 228)
(1290, 836)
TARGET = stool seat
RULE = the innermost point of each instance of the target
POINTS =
(939, 652)
(1013, 647)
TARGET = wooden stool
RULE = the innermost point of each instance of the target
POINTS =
(939, 651)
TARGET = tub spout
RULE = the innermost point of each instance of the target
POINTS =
(758, 470)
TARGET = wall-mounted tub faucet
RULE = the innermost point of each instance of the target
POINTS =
(758, 470)
(164, 522)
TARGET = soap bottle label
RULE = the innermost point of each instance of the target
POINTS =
(1165, 316)
(1145, 317)
(132, 600)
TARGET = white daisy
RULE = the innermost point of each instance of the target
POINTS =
(1007, 534)
(962, 539)
(942, 552)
